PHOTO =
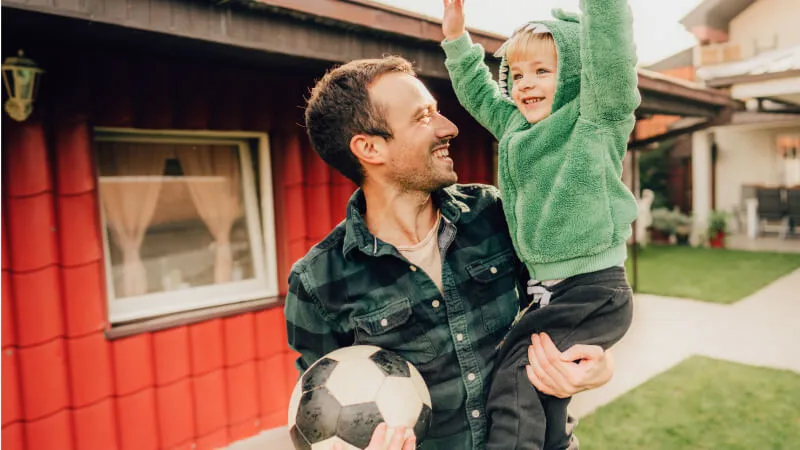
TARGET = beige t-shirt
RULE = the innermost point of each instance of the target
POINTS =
(425, 254)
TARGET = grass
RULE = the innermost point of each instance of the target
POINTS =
(701, 404)
(713, 275)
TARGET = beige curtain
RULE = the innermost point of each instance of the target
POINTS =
(213, 180)
(129, 190)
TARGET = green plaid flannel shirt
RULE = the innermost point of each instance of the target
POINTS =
(352, 288)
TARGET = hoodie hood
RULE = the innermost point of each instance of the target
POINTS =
(566, 34)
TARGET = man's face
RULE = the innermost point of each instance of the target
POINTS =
(417, 155)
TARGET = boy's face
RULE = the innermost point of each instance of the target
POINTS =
(534, 79)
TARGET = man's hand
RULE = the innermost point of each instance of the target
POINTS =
(379, 439)
(453, 24)
(562, 375)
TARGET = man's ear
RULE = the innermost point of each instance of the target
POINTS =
(368, 149)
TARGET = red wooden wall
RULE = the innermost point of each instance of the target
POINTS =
(64, 385)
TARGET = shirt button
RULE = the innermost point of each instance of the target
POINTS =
(493, 269)
(435, 303)
(384, 322)
(476, 413)
(413, 268)
(471, 377)
(459, 337)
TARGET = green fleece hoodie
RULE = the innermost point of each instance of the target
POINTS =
(567, 208)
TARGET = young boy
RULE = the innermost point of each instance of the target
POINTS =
(562, 114)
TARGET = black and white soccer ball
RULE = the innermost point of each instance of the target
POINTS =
(343, 396)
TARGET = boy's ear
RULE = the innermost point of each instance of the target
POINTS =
(368, 149)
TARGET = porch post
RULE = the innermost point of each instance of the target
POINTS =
(701, 185)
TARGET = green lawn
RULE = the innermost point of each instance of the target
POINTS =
(701, 404)
(714, 275)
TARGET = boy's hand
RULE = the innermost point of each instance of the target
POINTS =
(562, 375)
(453, 25)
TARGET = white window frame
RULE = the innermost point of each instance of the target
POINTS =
(260, 224)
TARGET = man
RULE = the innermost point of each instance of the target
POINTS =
(421, 266)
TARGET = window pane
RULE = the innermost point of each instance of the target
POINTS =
(175, 216)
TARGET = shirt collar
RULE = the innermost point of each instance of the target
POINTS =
(356, 234)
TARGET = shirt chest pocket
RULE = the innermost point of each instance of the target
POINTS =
(394, 328)
(494, 287)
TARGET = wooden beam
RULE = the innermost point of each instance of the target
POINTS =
(722, 118)
(231, 25)
(738, 79)
(674, 106)
(653, 83)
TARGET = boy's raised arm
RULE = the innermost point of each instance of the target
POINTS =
(471, 78)
(609, 90)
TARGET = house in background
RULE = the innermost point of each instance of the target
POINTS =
(751, 50)
(155, 200)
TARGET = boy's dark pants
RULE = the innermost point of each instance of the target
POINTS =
(593, 308)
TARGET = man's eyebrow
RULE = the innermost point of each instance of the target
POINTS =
(424, 108)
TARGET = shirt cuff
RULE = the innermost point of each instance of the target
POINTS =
(457, 47)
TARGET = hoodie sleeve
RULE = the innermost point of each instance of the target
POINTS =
(609, 81)
(472, 82)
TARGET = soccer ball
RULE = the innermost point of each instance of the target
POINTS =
(343, 396)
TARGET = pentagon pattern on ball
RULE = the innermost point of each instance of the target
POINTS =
(424, 421)
(391, 363)
(356, 423)
(349, 391)
(352, 353)
(397, 409)
(317, 374)
(319, 416)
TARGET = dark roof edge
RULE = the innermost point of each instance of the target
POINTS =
(375, 17)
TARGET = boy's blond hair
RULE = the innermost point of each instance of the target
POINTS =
(523, 42)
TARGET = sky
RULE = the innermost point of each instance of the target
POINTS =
(656, 29)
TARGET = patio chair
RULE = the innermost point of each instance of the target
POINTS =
(771, 208)
(793, 208)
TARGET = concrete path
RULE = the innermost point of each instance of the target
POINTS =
(761, 330)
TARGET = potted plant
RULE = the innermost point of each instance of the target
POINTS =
(663, 225)
(717, 228)
(683, 227)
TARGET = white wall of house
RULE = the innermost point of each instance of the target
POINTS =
(748, 156)
(763, 22)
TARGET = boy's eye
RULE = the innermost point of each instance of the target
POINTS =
(516, 76)
(542, 71)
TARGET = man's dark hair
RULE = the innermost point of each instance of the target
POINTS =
(340, 108)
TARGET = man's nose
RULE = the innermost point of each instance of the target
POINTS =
(445, 128)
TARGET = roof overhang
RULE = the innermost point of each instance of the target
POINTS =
(321, 31)
(716, 14)
(662, 94)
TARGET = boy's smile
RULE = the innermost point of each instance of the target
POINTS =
(534, 79)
